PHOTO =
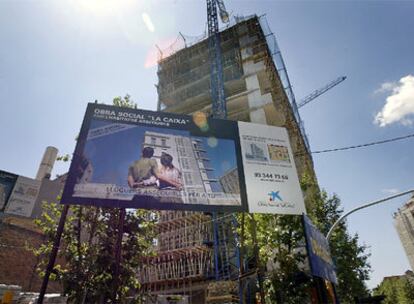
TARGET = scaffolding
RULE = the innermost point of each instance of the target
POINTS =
(187, 62)
(183, 252)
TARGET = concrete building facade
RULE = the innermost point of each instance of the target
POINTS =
(188, 156)
(404, 223)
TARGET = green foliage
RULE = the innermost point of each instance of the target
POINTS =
(282, 252)
(280, 249)
(64, 158)
(284, 247)
(125, 102)
(398, 289)
(350, 258)
(86, 260)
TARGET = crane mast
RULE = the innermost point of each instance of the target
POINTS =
(218, 98)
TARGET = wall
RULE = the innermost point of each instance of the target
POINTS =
(17, 263)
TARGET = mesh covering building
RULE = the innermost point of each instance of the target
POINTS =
(257, 90)
(257, 87)
(404, 223)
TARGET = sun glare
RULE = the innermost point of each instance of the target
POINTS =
(148, 22)
(103, 7)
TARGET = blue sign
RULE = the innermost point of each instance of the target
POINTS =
(319, 254)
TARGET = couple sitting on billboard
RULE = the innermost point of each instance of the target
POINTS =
(145, 172)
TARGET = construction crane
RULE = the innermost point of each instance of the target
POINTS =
(320, 91)
(218, 98)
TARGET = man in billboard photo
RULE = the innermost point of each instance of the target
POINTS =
(143, 172)
(169, 176)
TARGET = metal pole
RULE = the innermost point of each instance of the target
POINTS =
(241, 261)
(365, 206)
(216, 246)
(118, 250)
(242, 236)
(320, 286)
(256, 253)
(53, 254)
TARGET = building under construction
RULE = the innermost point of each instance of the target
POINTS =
(257, 90)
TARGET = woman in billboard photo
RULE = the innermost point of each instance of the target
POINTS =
(145, 172)
(169, 176)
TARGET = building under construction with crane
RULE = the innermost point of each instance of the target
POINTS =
(256, 89)
(256, 85)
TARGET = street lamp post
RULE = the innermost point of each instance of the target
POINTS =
(365, 206)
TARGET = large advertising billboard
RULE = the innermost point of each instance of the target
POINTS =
(132, 158)
(319, 254)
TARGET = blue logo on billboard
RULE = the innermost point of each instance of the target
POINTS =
(274, 195)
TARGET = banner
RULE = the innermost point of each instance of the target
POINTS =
(23, 197)
(272, 183)
(130, 158)
(7, 182)
(319, 254)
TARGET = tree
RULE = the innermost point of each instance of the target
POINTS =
(397, 289)
(282, 246)
(350, 258)
(281, 253)
(86, 261)
(282, 250)
(125, 102)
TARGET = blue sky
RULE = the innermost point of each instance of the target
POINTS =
(58, 55)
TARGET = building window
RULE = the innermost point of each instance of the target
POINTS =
(153, 141)
(188, 178)
(163, 142)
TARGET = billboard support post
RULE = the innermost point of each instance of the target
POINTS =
(320, 287)
(118, 251)
(241, 258)
(53, 254)
(256, 253)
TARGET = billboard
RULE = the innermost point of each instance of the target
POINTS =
(7, 181)
(272, 183)
(320, 259)
(132, 158)
(23, 196)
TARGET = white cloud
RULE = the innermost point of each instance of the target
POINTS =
(399, 104)
(386, 86)
(148, 23)
(390, 191)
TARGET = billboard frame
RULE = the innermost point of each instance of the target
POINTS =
(216, 127)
